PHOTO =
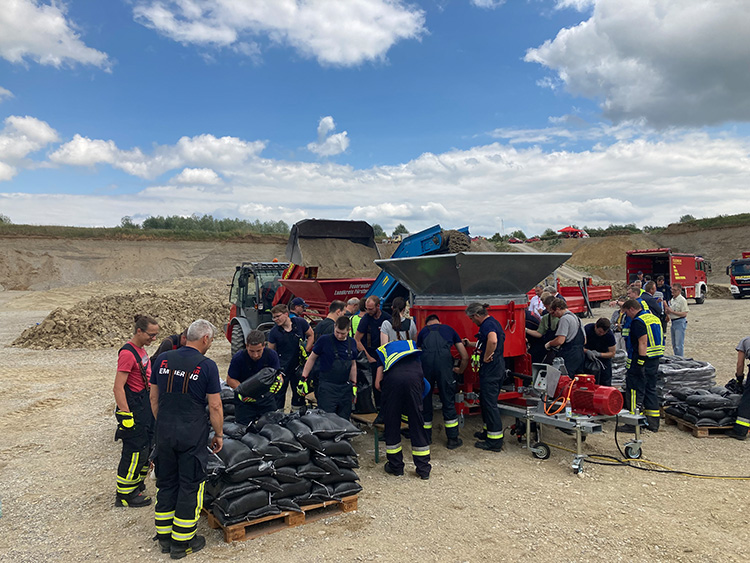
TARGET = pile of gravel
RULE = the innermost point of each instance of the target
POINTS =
(104, 322)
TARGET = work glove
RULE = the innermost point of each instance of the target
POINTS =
(740, 377)
(245, 399)
(354, 392)
(278, 384)
(303, 388)
(125, 420)
(591, 354)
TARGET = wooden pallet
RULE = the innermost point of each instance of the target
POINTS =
(287, 519)
(697, 431)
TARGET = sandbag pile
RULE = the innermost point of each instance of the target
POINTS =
(107, 321)
(281, 462)
(675, 372)
(716, 406)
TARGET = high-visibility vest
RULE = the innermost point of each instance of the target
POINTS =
(395, 351)
(655, 347)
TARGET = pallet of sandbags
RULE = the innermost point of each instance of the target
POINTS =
(257, 527)
(697, 431)
(281, 468)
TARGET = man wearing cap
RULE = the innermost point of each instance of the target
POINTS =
(297, 307)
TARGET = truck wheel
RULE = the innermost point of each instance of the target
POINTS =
(737, 295)
(701, 299)
(238, 338)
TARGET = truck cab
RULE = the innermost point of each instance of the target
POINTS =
(689, 270)
(739, 276)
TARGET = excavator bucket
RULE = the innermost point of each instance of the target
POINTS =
(337, 248)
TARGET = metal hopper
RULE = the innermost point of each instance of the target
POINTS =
(337, 248)
(488, 277)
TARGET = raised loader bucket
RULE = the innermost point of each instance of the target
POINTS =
(337, 248)
(488, 277)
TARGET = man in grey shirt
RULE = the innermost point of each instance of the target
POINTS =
(569, 337)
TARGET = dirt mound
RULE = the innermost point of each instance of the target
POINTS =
(339, 258)
(107, 321)
(43, 263)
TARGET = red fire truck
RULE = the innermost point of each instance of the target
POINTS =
(688, 270)
(739, 276)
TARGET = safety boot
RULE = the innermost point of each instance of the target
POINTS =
(389, 469)
(652, 423)
(494, 446)
(183, 548)
(132, 501)
(481, 435)
(454, 443)
(165, 542)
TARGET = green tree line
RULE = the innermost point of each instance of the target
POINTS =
(207, 223)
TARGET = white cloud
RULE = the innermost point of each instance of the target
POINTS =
(329, 144)
(42, 33)
(338, 33)
(5, 94)
(20, 137)
(193, 176)
(201, 150)
(671, 62)
(579, 5)
(488, 3)
(643, 179)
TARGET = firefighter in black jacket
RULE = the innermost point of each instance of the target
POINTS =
(401, 382)
(435, 340)
(184, 380)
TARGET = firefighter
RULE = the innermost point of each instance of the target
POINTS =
(292, 340)
(401, 382)
(133, 413)
(245, 364)
(183, 382)
(489, 355)
(337, 377)
(645, 349)
(742, 423)
(435, 340)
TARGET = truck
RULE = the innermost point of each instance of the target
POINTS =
(739, 276)
(314, 245)
(689, 270)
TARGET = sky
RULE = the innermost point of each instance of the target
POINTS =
(499, 115)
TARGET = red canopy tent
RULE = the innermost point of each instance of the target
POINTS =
(572, 232)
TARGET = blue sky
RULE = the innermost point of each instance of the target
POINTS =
(500, 115)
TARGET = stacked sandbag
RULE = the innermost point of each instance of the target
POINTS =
(282, 462)
(227, 402)
(619, 369)
(675, 372)
(716, 406)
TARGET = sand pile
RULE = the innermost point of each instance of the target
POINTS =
(107, 321)
(339, 258)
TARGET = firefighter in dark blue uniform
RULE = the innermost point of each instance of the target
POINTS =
(337, 375)
(401, 381)
(183, 381)
(243, 366)
(645, 349)
(435, 340)
(489, 348)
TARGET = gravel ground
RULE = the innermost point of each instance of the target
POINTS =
(58, 459)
